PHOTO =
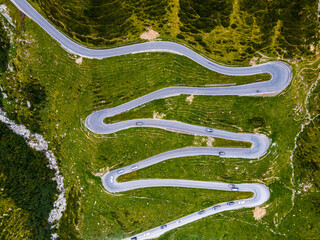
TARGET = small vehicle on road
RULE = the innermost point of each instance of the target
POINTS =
(120, 171)
(216, 207)
(241, 202)
(230, 203)
(139, 123)
(258, 90)
(179, 221)
(111, 179)
(209, 130)
(134, 238)
(163, 226)
(134, 167)
(222, 153)
(233, 187)
(201, 212)
(146, 234)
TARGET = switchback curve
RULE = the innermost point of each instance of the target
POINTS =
(280, 78)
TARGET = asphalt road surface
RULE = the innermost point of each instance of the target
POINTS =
(280, 78)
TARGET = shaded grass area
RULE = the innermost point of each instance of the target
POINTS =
(27, 190)
(307, 226)
(4, 48)
(287, 26)
(73, 91)
(234, 30)
(307, 156)
(306, 164)
(230, 31)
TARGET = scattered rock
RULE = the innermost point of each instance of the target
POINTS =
(4, 95)
(79, 60)
(312, 47)
(4, 12)
(209, 141)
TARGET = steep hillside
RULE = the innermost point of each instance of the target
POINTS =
(230, 31)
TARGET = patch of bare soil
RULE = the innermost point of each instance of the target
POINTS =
(150, 34)
(79, 60)
(190, 99)
(312, 47)
(259, 213)
(253, 61)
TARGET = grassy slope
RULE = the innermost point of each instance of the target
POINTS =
(229, 31)
(23, 172)
(307, 182)
(73, 91)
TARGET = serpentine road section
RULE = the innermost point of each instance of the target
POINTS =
(280, 78)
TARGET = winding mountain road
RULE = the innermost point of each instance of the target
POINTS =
(280, 78)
